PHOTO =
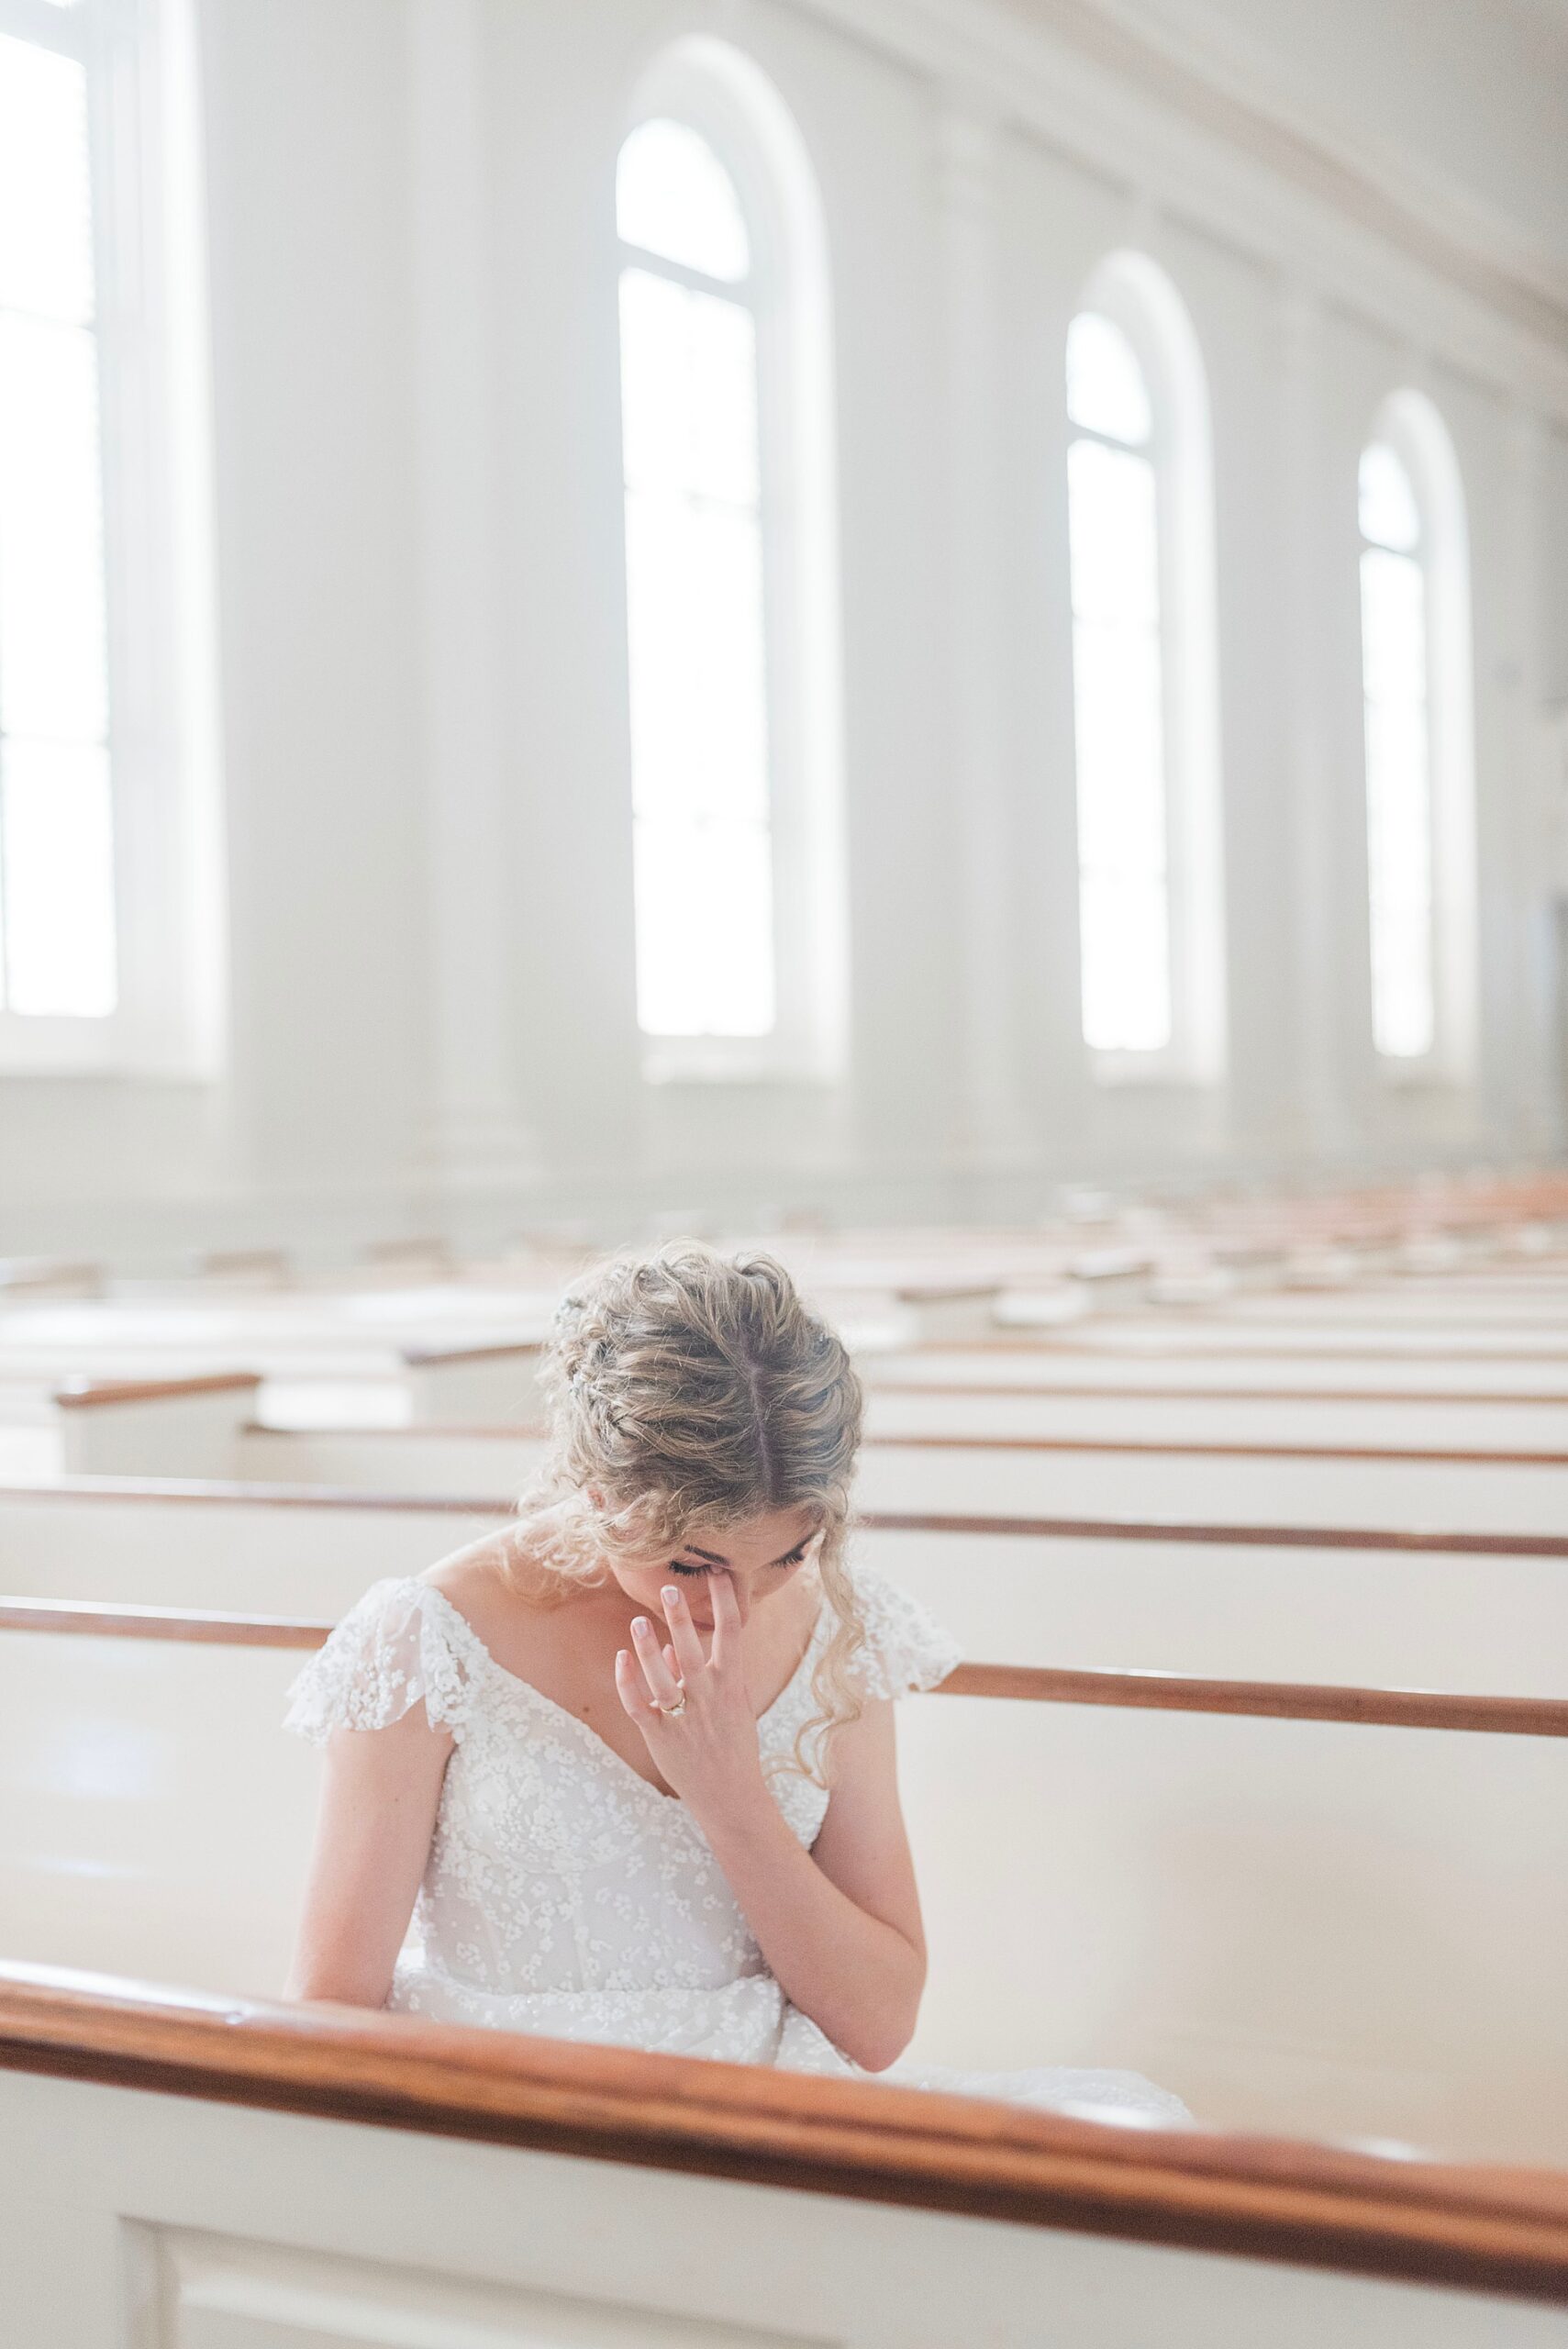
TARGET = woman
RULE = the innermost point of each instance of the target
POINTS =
(630, 1763)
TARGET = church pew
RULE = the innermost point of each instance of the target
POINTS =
(1342, 1924)
(458, 1384)
(1218, 1486)
(1008, 1367)
(257, 2169)
(181, 1427)
(431, 1459)
(258, 1549)
(1255, 1603)
(1361, 1420)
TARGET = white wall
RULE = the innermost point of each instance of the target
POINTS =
(418, 485)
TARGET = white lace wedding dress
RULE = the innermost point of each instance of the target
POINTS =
(565, 1895)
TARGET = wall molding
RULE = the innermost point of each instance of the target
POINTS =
(1166, 116)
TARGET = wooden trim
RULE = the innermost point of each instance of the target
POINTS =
(87, 1394)
(1044, 1341)
(1024, 1683)
(84, 1491)
(427, 1429)
(433, 1357)
(937, 1292)
(183, 1491)
(1180, 1447)
(1282, 1700)
(1026, 1386)
(1497, 2230)
(1261, 1537)
(94, 1619)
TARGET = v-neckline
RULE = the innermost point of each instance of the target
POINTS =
(602, 1744)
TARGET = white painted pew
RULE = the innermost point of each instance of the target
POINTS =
(1201, 1371)
(431, 1459)
(1281, 1610)
(488, 1384)
(1418, 1423)
(262, 2176)
(415, 1460)
(1264, 1609)
(256, 1551)
(188, 1427)
(1287, 1333)
(1214, 1488)
(1298, 1924)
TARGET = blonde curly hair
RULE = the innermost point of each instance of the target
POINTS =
(689, 1389)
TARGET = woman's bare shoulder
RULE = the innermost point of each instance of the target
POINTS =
(483, 1582)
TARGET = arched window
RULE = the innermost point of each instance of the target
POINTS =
(111, 872)
(1415, 683)
(57, 891)
(731, 586)
(1144, 699)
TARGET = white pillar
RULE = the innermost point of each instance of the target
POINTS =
(998, 1136)
(476, 1136)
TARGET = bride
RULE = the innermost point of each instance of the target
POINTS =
(625, 1771)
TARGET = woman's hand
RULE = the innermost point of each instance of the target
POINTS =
(695, 1710)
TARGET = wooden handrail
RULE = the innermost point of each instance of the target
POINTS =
(1118, 1393)
(1257, 1536)
(1473, 2228)
(100, 1620)
(1181, 1447)
(1046, 1341)
(88, 1394)
(964, 1440)
(413, 1431)
(1016, 1683)
(216, 1492)
(1284, 1700)
(84, 1491)
(957, 1291)
(432, 1357)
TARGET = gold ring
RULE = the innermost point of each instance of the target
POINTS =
(670, 1711)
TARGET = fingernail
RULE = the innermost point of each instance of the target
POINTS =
(670, 1594)
(641, 1627)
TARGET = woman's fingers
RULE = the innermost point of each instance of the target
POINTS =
(663, 1688)
(689, 1657)
(629, 1688)
(726, 1617)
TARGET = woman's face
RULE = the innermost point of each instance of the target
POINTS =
(760, 1556)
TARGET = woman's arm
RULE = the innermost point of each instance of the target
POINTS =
(840, 1926)
(372, 1837)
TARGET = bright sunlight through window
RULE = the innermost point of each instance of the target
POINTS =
(1118, 694)
(1400, 810)
(694, 593)
(57, 909)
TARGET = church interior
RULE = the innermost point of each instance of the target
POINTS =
(925, 639)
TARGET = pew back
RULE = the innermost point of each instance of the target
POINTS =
(1254, 1609)
(533, 2193)
(1306, 1925)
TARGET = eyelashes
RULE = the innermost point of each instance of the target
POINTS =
(780, 1565)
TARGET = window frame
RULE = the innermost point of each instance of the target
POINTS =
(148, 322)
(1131, 290)
(1410, 424)
(726, 99)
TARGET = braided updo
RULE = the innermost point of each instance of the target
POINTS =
(690, 1389)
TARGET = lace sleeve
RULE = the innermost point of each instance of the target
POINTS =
(906, 1648)
(390, 1651)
